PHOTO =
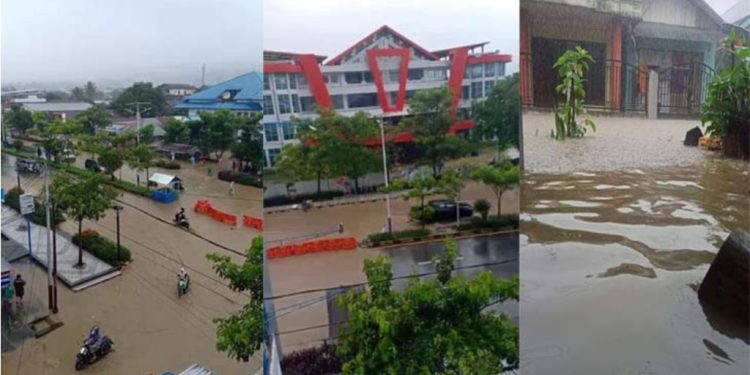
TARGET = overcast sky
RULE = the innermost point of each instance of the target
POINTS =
(330, 26)
(99, 40)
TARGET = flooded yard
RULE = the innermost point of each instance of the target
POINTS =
(615, 242)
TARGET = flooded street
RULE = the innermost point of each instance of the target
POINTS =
(153, 329)
(614, 246)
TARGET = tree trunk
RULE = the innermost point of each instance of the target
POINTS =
(499, 202)
(80, 244)
(356, 185)
(421, 211)
(319, 176)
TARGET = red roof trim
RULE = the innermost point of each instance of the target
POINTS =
(336, 60)
(281, 68)
(490, 58)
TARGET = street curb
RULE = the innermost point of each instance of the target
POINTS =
(435, 238)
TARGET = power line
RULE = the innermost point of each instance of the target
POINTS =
(319, 290)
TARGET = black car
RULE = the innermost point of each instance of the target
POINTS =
(93, 166)
(446, 210)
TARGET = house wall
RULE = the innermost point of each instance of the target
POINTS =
(676, 12)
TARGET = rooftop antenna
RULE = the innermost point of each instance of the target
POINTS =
(203, 75)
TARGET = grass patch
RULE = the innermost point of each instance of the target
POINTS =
(286, 200)
(492, 223)
(409, 234)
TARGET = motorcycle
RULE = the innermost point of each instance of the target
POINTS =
(181, 221)
(306, 205)
(91, 352)
(182, 285)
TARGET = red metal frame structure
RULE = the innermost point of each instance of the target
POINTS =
(372, 57)
(311, 69)
(455, 81)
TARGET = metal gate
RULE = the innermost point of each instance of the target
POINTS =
(682, 89)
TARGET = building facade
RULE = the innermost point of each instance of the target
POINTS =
(377, 75)
(670, 44)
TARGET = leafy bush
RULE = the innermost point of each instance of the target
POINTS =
(418, 214)
(483, 207)
(240, 178)
(39, 217)
(317, 360)
(285, 200)
(167, 164)
(493, 222)
(18, 144)
(571, 67)
(101, 247)
(400, 235)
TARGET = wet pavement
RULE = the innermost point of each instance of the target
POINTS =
(614, 246)
(152, 328)
(308, 325)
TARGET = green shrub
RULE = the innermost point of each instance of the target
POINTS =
(285, 200)
(167, 164)
(18, 144)
(101, 247)
(400, 235)
(418, 214)
(483, 207)
(492, 222)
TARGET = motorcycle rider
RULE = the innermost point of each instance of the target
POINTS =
(93, 339)
(183, 275)
(180, 215)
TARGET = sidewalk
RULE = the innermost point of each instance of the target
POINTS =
(94, 271)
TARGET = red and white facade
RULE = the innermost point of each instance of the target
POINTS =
(376, 75)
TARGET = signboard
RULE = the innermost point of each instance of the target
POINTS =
(27, 204)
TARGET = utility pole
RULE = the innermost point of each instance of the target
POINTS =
(386, 177)
(118, 208)
(54, 261)
(48, 206)
(138, 118)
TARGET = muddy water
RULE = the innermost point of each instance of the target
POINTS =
(610, 266)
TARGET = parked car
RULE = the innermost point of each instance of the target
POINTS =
(28, 166)
(93, 166)
(68, 156)
(446, 209)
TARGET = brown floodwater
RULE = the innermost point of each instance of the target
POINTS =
(611, 261)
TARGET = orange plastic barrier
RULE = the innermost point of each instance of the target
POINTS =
(331, 244)
(252, 222)
(203, 206)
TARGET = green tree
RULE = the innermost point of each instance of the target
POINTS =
(111, 159)
(140, 158)
(91, 143)
(94, 119)
(571, 67)
(87, 198)
(339, 141)
(147, 134)
(430, 123)
(307, 159)
(498, 117)
(18, 118)
(218, 131)
(241, 334)
(419, 188)
(176, 131)
(436, 326)
(142, 92)
(248, 147)
(726, 111)
(499, 179)
(450, 184)
(483, 207)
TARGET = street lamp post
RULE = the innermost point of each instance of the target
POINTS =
(385, 176)
(117, 209)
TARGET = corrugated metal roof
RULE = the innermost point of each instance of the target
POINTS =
(197, 370)
(57, 106)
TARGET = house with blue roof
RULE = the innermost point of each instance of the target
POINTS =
(242, 94)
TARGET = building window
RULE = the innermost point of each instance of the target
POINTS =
(410, 94)
(394, 76)
(362, 100)
(353, 78)
(489, 70)
(332, 78)
(301, 80)
(465, 92)
(338, 101)
(293, 81)
(488, 85)
(288, 131)
(435, 74)
(267, 105)
(416, 74)
(284, 105)
(266, 85)
(476, 90)
(273, 154)
(476, 71)
(501, 69)
(392, 97)
(272, 134)
(295, 103)
(367, 77)
(307, 103)
(281, 82)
